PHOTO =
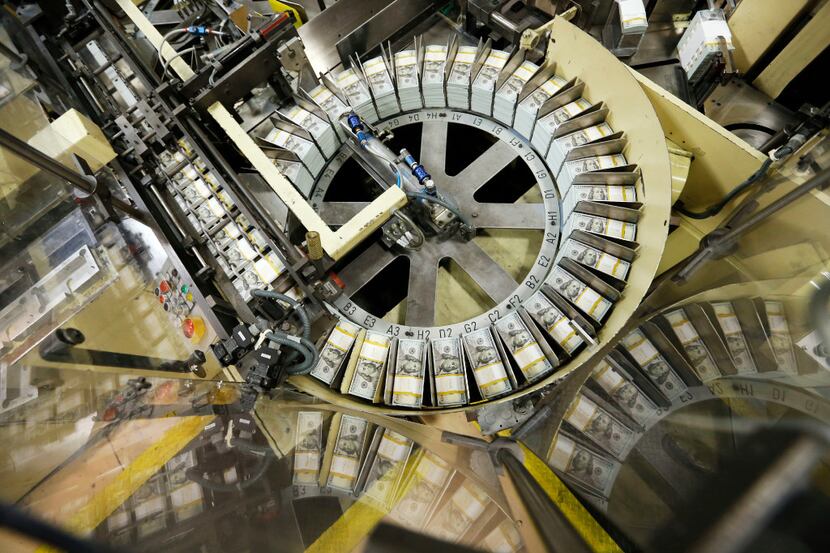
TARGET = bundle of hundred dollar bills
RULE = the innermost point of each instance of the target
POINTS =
(408, 80)
(504, 102)
(484, 84)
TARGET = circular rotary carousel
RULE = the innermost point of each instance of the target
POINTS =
(554, 186)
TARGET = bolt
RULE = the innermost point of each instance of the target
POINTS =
(475, 214)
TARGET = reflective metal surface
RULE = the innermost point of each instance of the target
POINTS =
(340, 30)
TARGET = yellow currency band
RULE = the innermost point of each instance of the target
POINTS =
(595, 305)
(494, 382)
(395, 440)
(635, 345)
(335, 346)
(652, 358)
(344, 332)
(557, 323)
(532, 363)
(349, 477)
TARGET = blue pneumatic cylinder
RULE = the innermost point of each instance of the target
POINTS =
(357, 127)
(198, 30)
(424, 178)
(354, 122)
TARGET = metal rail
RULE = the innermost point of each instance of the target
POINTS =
(727, 236)
(85, 184)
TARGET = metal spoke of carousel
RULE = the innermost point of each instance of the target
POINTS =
(398, 275)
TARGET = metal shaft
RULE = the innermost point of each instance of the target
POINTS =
(822, 180)
(17, 59)
(46, 163)
(554, 528)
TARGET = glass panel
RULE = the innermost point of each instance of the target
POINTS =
(717, 384)
(125, 466)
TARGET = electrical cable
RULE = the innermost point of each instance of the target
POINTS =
(301, 345)
(312, 348)
(220, 38)
(421, 238)
(213, 56)
(18, 520)
(166, 40)
(165, 65)
(716, 208)
(199, 31)
(298, 308)
(730, 234)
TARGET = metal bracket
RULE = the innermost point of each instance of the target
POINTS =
(491, 448)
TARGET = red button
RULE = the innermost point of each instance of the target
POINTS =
(164, 286)
(336, 279)
(188, 328)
